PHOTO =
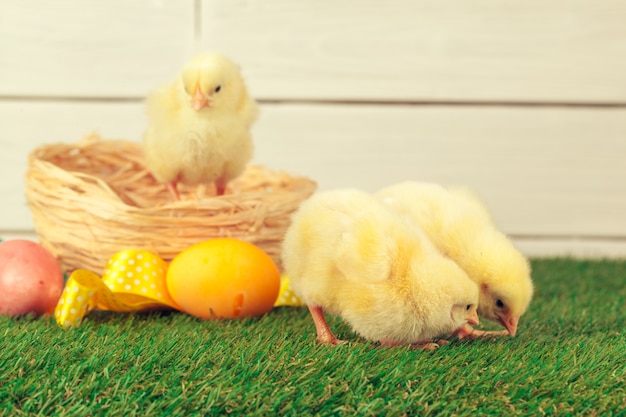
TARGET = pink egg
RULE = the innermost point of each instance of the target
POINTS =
(31, 280)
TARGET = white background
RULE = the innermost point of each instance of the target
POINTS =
(523, 101)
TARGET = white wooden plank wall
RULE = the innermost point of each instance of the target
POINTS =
(523, 101)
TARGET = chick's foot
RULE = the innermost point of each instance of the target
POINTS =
(427, 345)
(468, 332)
(220, 186)
(324, 334)
(442, 342)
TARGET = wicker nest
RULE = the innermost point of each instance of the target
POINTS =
(92, 199)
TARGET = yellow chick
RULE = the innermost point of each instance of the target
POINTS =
(461, 228)
(199, 125)
(349, 255)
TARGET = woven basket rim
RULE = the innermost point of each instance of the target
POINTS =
(95, 197)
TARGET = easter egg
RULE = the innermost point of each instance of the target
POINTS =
(31, 280)
(137, 277)
(223, 278)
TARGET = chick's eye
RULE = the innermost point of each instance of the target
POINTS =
(468, 307)
(218, 88)
(499, 303)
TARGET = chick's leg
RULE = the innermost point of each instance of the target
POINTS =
(171, 187)
(324, 334)
(220, 186)
(467, 331)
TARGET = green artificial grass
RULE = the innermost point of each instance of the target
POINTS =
(569, 358)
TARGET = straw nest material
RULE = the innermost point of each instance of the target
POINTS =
(92, 199)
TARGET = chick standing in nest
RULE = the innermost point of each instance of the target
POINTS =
(199, 125)
(349, 255)
(461, 228)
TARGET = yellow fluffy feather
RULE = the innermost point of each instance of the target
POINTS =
(199, 125)
(349, 255)
(461, 227)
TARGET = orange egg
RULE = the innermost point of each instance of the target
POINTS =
(223, 278)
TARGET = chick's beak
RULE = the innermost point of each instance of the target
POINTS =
(199, 100)
(510, 322)
(472, 318)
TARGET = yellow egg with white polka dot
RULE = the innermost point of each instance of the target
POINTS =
(134, 275)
